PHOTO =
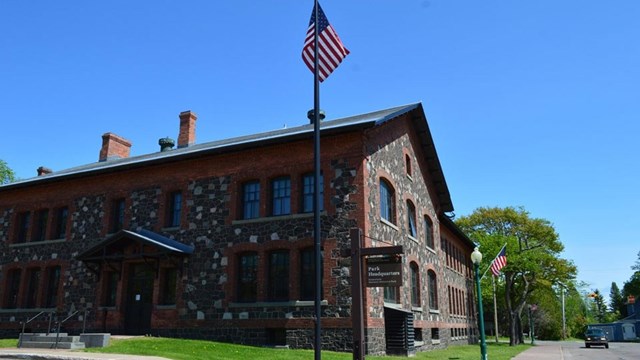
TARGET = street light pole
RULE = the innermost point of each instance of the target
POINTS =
(564, 320)
(476, 258)
(532, 308)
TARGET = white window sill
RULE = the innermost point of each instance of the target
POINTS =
(389, 224)
(295, 303)
(278, 217)
(37, 243)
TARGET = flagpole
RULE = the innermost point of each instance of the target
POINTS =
(316, 184)
(495, 309)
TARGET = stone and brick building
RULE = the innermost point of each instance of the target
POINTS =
(214, 240)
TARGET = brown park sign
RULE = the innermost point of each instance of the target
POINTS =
(384, 271)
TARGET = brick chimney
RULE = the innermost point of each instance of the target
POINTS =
(44, 171)
(187, 136)
(114, 147)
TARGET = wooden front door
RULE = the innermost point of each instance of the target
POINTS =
(139, 300)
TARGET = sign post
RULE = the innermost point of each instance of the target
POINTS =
(384, 271)
(380, 272)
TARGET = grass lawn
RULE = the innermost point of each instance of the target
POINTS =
(180, 349)
(8, 343)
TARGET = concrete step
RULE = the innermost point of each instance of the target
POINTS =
(51, 345)
(30, 335)
(52, 338)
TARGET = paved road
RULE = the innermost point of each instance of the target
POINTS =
(572, 350)
(616, 351)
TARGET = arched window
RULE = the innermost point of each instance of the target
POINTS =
(428, 232)
(407, 161)
(433, 290)
(415, 285)
(412, 230)
(387, 202)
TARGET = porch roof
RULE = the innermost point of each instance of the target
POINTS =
(112, 247)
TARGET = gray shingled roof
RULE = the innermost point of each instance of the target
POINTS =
(262, 139)
(123, 237)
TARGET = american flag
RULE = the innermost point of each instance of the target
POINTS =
(499, 262)
(331, 51)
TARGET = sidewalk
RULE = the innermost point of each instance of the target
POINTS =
(46, 354)
(542, 351)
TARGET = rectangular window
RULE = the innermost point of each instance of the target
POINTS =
(281, 196)
(62, 216)
(251, 200)
(276, 337)
(308, 189)
(40, 231)
(13, 288)
(435, 334)
(175, 209)
(307, 274)
(417, 334)
(248, 277)
(110, 288)
(117, 222)
(24, 221)
(168, 286)
(279, 276)
(391, 295)
(53, 282)
(449, 297)
(33, 276)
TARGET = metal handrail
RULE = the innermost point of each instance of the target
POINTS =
(24, 324)
(59, 323)
(84, 320)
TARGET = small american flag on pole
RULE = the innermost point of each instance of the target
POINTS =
(499, 262)
(331, 51)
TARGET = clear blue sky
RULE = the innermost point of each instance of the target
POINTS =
(531, 103)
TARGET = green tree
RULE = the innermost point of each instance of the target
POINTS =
(547, 318)
(6, 174)
(631, 287)
(598, 306)
(617, 302)
(576, 311)
(636, 266)
(533, 250)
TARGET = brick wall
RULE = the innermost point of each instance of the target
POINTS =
(211, 188)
